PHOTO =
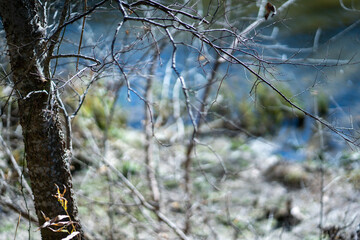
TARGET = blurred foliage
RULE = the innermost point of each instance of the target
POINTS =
(350, 160)
(238, 143)
(95, 113)
(94, 107)
(18, 154)
(265, 113)
(322, 102)
(97, 106)
(325, 14)
(354, 178)
(9, 105)
(301, 18)
(262, 114)
(271, 110)
(171, 183)
(291, 175)
(130, 168)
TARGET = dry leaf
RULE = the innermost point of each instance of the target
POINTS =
(71, 236)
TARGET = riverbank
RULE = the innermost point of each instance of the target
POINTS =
(241, 190)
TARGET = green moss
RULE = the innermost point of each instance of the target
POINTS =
(323, 104)
(234, 222)
(354, 178)
(95, 111)
(237, 143)
(130, 168)
(222, 219)
(247, 115)
(7, 227)
(260, 114)
(171, 183)
(269, 110)
(350, 160)
(312, 237)
(202, 187)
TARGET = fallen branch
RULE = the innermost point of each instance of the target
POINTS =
(144, 203)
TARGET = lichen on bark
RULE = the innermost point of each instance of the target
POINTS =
(46, 154)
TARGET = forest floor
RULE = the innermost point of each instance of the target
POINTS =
(241, 190)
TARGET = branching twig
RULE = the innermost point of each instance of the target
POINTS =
(15, 165)
(17, 209)
(55, 37)
(56, 33)
(147, 205)
(182, 81)
(76, 56)
(81, 34)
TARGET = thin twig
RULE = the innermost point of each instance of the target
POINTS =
(147, 205)
(76, 56)
(182, 81)
(17, 226)
(15, 165)
(55, 34)
(81, 35)
(17, 209)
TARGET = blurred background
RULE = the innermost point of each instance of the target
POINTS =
(258, 167)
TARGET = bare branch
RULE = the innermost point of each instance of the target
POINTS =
(182, 81)
(166, 9)
(56, 33)
(17, 209)
(76, 56)
(81, 35)
(346, 8)
(15, 165)
(143, 201)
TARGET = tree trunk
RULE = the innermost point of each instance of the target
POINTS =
(46, 154)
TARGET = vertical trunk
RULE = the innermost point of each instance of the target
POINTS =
(46, 155)
(148, 124)
(189, 149)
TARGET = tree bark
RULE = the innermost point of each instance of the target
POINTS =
(46, 154)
